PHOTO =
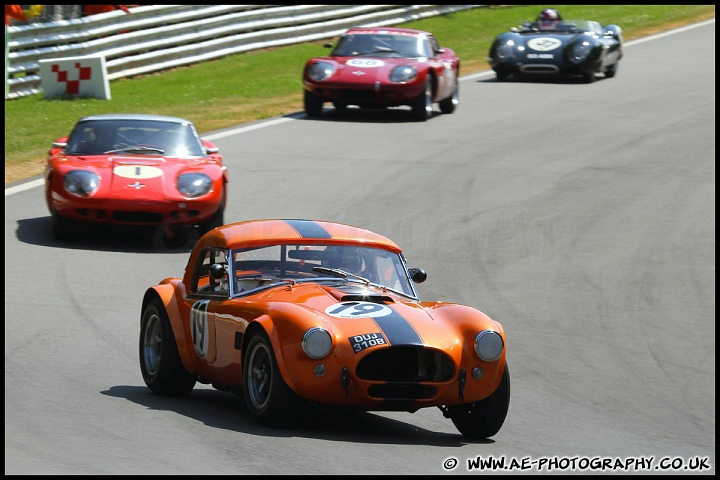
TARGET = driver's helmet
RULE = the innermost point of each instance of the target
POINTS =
(548, 18)
(345, 258)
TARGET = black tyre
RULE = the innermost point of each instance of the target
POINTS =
(588, 77)
(483, 419)
(267, 395)
(160, 362)
(62, 228)
(502, 76)
(448, 105)
(313, 104)
(340, 106)
(422, 105)
(611, 70)
(217, 220)
(167, 237)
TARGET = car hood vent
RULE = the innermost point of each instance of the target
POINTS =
(358, 293)
(371, 297)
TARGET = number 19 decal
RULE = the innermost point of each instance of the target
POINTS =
(199, 327)
(358, 309)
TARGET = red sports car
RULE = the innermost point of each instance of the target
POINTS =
(378, 67)
(134, 169)
(288, 313)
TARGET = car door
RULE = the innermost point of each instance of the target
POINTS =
(206, 294)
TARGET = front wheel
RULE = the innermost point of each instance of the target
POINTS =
(217, 219)
(611, 70)
(267, 395)
(62, 228)
(160, 362)
(422, 105)
(483, 419)
(313, 104)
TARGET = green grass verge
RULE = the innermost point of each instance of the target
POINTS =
(256, 85)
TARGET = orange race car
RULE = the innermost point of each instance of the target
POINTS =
(289, 313)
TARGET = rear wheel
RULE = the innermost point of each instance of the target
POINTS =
(313, 104)
(267, 395)
(160, 362)
(422, 105)
(340, 106)
(448, 105)
(483, 419)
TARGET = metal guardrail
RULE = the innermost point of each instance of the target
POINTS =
(158, 37)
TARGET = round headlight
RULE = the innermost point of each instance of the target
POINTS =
(489, 345)
(506, 50)
(316, 343)
(403, 74)
(81, 183)
(580, 52)
(194, 184)
(320, 71)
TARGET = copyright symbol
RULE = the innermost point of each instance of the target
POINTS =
(450, 463)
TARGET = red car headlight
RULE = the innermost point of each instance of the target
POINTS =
(81, 183)
(403, 74)
(193, 185)
(320, 71)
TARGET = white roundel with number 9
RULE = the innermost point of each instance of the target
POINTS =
(358, 309)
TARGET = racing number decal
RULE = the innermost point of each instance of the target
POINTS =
(361, 309)
(358, 309)
(544, 44)
(366, 340)
(137, 172)
(365, 62)
(199, 327)
(395, 329)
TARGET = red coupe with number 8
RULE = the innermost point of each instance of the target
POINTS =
(380, 67)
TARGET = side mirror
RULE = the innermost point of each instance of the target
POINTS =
(418, 275)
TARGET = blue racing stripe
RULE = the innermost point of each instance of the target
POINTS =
(397, 330)
(308, 229)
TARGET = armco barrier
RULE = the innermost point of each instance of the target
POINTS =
(158, 37)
